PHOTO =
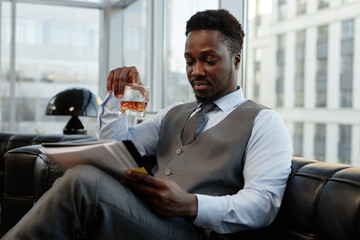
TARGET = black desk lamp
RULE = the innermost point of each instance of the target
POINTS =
(74, 102)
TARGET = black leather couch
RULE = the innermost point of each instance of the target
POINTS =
(321, 201)
(25, 173)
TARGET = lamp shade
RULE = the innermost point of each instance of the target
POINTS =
(74, 102)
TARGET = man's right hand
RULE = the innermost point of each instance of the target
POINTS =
(119, 77)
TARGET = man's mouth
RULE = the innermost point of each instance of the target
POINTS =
(200, 84)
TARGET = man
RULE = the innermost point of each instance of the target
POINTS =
(229, 177)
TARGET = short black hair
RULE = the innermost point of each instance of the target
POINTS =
(220, 20)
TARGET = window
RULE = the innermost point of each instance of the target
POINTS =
(94, 1)
(293, 67)
(347, 58)
(308, 74)
(135, 25)
(344, 153)
(350, 1)
(321, 74)
(322, 34)
(300, 39)
(57, 47)
(257, 72)
(298, 139)
(299, 84)
(347, 29)
(300, 68)
(5, 62)
(320, 142)
(5, 103)
(323, 4)
(280, 60)
(258, 28)
(176, 84)
(300, 7)
(282, 9)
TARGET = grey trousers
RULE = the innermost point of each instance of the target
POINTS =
(87, 203)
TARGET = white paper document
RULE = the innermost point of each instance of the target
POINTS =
(114, 157)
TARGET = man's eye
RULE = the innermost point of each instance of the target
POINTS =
(211, 62)
(189, 63)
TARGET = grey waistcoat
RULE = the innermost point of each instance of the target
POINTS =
(213, 163)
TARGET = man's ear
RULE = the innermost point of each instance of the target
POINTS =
(237, 59)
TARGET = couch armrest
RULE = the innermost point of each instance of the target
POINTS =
(45, 174)
(9, 141)
(27, 174)
(17, 179)
(321, 201)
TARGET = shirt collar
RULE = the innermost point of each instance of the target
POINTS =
(231, 100)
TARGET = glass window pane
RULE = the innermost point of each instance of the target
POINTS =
(298, 139)
(178, 88)
(92, 1)
(347, 29)
(323, 4)
(320, 142)
(345, 144)
(5, 65)
(308, 73)
(135, 18)
(300, 7)
(56, 48)
(282, 8)
(350, 1)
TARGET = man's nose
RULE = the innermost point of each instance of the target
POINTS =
(198, 70)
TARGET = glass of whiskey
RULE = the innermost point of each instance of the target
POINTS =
(135, 100)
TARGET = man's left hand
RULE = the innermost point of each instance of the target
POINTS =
(164, 196)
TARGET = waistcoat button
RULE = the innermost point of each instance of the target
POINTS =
(178, 151)
(167, 172)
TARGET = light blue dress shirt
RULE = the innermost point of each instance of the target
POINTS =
(266, 169)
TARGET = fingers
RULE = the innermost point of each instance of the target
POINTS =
(145, 178)
(142, 182)
(120, 81)
(134, 77)
(141, 185)
(118, 77)
(109, 82)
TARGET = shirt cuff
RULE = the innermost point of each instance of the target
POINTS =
(209, 213)
(110, 118)
(111, 103)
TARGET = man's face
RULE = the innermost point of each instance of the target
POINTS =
(211, 70)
